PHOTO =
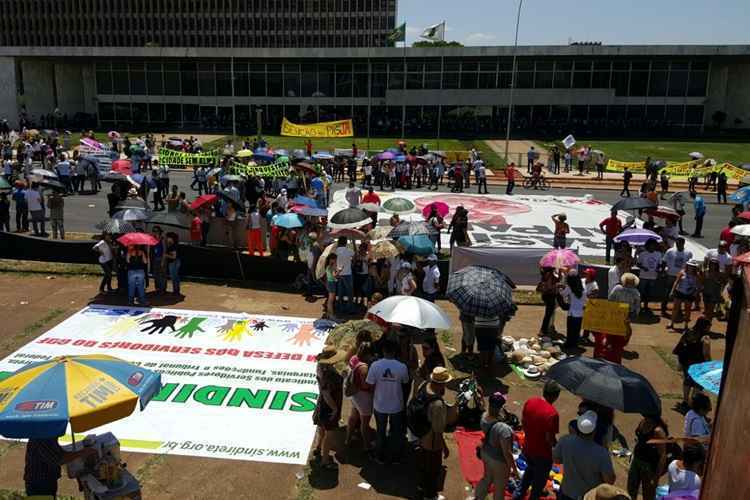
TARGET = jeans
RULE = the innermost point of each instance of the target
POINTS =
(386, 437)
(137, 283)
(107, 278)
(57, 227)
(174, 275)
(698, 225)
(537, 472)
(642, 476)
(159, 274)
(345, 288)
(550, 302)
(205, 226)
(482, 182)
(573, 333)
(430, 471)
(647, 287)
(22, 218)
(609, 242)
(511, 185)
(625, 190)
(37, 222)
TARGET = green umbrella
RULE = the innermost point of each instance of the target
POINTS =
(399, 206)
(4, 184)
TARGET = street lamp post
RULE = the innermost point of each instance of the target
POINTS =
(512, 81)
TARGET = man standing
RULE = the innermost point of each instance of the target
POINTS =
(481, 177)
(63, 172)
(164, 177)
(699, 207)
(611, 227)
(722, 255)
(353, 195)
(674, 261)
(541, 423)
(530, 157)
(600, 166)
(367, 168)
(677, 202)
(56, 204)
(4, 212)
(431, 280)
(35, 202)
(22, 208)
(371, 196)
(388, 375)
(650, 262)
(510, 174)
(721, 188)
(587, 465)
(345, 283)
(432, 448)
(627, 175)
(556, 158)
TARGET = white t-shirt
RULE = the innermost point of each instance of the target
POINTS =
(431, 279)
(696, 425)
(387, 375)
(613, 279)
(682, 480)
(576, 303)
(482, 171)
(591, 289)
(368, 169)
(353, 196)
(105, 252)
(676, 260)
(344, 260)
(724, 259)
(34, 200)
(649, 264)
(406, 284)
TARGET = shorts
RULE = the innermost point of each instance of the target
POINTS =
(712, 294)
(687, 297)
(486, 339)
(362, 401)
(468, 336)
(331, 286)
(687, 379)
(559, 241)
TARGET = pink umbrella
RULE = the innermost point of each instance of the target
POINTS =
(137, 239)
(560, 258)
(112, 134)
(442, 208)
(122, 166)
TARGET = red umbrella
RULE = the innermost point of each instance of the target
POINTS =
(123, 167)
(204, 199)
(664, 213)
(137, 239)
(442, 209)
(744, 215)
(743, 259)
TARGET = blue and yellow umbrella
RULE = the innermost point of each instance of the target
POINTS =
(40, 399)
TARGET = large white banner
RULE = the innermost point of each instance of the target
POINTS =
(236, 386)
(518, 221)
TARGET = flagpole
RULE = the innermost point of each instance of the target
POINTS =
(403, 93)
(512, 82)
(369, 96)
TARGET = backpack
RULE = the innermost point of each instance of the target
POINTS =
(416, 413)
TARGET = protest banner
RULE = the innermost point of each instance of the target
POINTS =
(235, 386)
(339, 128)
(731, 171)
(569, 141)
(277, 169)
(619, 166)
(173, 158)
(604, 316)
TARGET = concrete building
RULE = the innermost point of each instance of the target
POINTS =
(592, 90)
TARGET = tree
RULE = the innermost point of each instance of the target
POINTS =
(437, 43)
(719, 117)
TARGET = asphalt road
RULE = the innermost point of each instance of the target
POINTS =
(82, 212)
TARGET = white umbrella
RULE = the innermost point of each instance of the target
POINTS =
(411, 311)
(696, 155)
(131, 215)
(320, 268)
(709, 163)
(742, 230)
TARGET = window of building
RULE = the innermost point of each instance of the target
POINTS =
(156, 112)
(207, 83)
(379, 84)
(140, 113)
(620, 82)
(191, 113)
(693, 115)
(697, 83)
(655, 113)
(657, 85)
(638, 83)
(223, 83)
(525, 79)
(275, 84)
(675, 114)
(106, 111)
(122, 113)
(189, 81)
(103, 81)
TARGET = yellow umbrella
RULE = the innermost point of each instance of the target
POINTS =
(244, 153)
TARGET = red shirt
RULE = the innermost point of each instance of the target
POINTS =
(510, 173)
(539, 418)
(371, 198)
(612, 226)
(195, 230)
(727, 235)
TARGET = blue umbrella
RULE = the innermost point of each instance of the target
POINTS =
(317, 184)
(312, 212)
(322, 155)
(281, 152)
(287, 221)
(400, 158)
(262, 155)
(742, 195)
(299, 154)
(707, 375)
(304, 200)
(419, 244)
(138, 178)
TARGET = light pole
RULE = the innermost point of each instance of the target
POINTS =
(512, 81)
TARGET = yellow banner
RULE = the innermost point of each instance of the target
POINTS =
(340, 128)
(637, 167)
(732, 171)
(604, 316)
(682, 169)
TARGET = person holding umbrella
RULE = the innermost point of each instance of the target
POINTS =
(137, 263)
(106, 261)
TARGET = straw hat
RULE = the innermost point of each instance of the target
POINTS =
(606, 492)
(330, 355)
(629, 278)
(532, 372)
(440, 375)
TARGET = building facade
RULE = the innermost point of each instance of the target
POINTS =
(196, 23)
(591, 90)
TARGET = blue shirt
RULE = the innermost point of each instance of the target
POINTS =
(19, 196)
(63, 168)
(699, 206)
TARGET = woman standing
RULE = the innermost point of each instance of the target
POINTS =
(459, 228)
(332, 277)
(106, 260)
(548, 287)
(362, 398)
(713, 284)
(328, 409)
(561, 230)
(575, 298)
(137, 263)
(496, 450)
(687, 283)
(694, 347)
(649, 460)
(173, 261)
(431, 358)
(407, 284)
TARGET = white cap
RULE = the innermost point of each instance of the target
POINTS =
(405, 265)
(586, 423)
(432, 258)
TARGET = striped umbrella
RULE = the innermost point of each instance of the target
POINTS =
(116, 226)
(39, 400)
(412, 229)
(481, 291)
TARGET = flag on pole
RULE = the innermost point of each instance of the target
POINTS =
(434, 33)
(398, 35)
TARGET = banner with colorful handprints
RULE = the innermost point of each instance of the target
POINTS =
(339, 128)
(173, 158)
(277, 169)
(235, 386)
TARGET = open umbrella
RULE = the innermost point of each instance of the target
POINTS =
(385, 155)
(442, 209)
(349, 218)
(4, 185)
(663, 212)
(384, 250)
(411, 229)
(399, 206)
(400, 158)
(742, 195)
(231, 178)
(709, 163)
(136, 203)
(309, 211)
(560, 258)
(137, 239)
(481, 291)
(745, 215)
(171, 219)
(320, 267)
(51, 184)
(306, 167)
(637, 236)
(40, 399)
(113, 177)
(633, 204)
(288, 221)
(741, 230)
(369, 207)
(115, 226)
(418, 244)
(43, 173)
(204, 199)
(352, 234)
(299, 154)
(244, 153)
(322, 155)
(695, 155)
(304, 200)
(263, 156)
(608, 384)
(227, 198)
(122, 166)
(411, 311)
(707, 375)
(131, 215)
(113, 134)
(379, 233)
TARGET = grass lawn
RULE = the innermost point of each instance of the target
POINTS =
(735, 153)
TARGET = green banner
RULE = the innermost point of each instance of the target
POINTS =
(276, 169)
(174, 158)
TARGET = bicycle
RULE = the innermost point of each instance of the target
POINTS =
(541, 182)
